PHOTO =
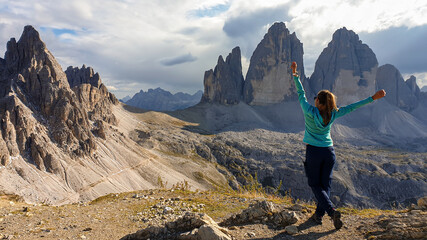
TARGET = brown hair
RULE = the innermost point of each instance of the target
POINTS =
(327, 99)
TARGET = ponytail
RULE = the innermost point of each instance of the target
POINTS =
(327, 99)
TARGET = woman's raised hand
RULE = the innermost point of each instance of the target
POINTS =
(381, 93)
(294, 67)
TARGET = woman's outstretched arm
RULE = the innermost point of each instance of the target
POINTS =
(349, 108)
(300, 90)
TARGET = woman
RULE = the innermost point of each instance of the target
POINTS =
(320, 154)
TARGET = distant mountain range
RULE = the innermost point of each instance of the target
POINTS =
(125, 99)
(424, 89)
(162, 100)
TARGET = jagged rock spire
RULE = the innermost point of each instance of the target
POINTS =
(411, 82)
(269, 78)
(225, 84)
(36, 92)
(92, 93)
(398, 92)
(77, 76)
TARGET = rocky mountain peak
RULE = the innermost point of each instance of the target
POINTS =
(224, 84)
(269, 79)
(345, 35)
(411, 82)
(37, 96)
(77, 76)
(158, 91)
(399, 93)
(29, 44)
(347, 67)
(30, 51)
(92, 93)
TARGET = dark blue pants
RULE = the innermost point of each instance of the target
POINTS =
(319, 162)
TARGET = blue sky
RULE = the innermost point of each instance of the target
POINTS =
(146, 44)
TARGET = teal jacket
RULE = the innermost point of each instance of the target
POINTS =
(316, 133)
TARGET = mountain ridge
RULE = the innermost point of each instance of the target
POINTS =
(162, 100)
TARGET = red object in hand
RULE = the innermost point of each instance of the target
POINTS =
(294, 67)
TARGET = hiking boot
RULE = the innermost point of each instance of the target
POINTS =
(336, 217)
(316, 219)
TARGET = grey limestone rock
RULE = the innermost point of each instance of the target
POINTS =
(411, 82)
(207, 232)
(291, 229)
(269, 78)
(34, 84)
(92, 93)
(85, 75)
(183, 228)
(411, 225)
(224, 84)
(262, 211)
(399, 93)
(347, 67)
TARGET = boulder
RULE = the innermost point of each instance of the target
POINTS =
(291, 229)
(257, 212)
(208, 232)
(224, 84)
(184, 228)
(422, 203)
(262, 212)
(269, 79)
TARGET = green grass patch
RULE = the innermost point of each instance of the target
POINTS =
(367, 213)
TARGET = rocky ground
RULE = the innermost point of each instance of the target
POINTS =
(240, 215)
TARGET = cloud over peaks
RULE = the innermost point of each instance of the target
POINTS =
(178, 60)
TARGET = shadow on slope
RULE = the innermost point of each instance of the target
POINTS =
(216, 118)
(378, 123)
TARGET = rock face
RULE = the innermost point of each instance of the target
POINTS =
(85, 75)
(92, 93)
(33, 81)
(413, 86)
(161, 100)
(269, 79)
(347, 67)
(224, 85)
(399, 93)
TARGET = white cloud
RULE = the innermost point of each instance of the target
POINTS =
(315, 21)
(421, 78)
(126, 40)
(112, 88)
